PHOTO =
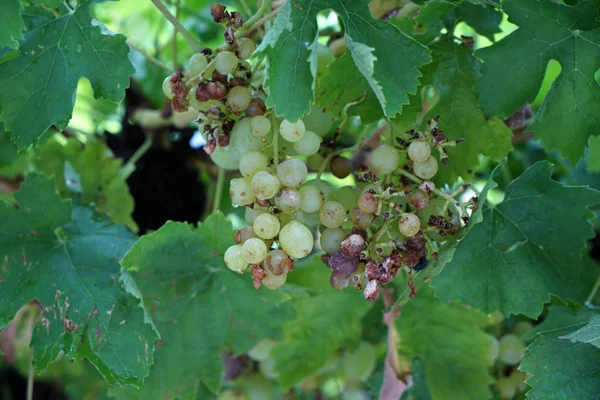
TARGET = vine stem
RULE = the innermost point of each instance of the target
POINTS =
(261, 22)
(265, 6)
(30, 377)
(196, 45)
(218, 190)
(435, 190)
(593, 293)
(153, 60)
(128, 168)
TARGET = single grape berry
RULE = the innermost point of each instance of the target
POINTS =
(384, 160)
(296, 240)
(288, 200)
(265, 185)
(512, 349)
(266, 226)
(292, 132)
(260, 126)
(419, 151)
(426, 169)
(273, 282)
(311, 198)
(331, 239)
(197, 64)
(256, 107)
(239, 98)
(166, 87)
(245, 48)
(341, 167)
(241, 235)
(240, 191)
(252, 212)
(251, 163)
(409, 224)
(278, 262)
(292, 172)
(226, 62)
(339, 280)
(353, 245)
(308, 145)
(367, 202)
(361, 219)
(418, 199)
(234, 259)
(254, 250)
(332, 214)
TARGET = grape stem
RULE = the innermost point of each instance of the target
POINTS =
(153, 60)
(331, 156)
(129, 167)
(218, 190)
(419, 181)
(265, 6)
(261, 22)
(196, 45)
(593, 293)
(174, 38)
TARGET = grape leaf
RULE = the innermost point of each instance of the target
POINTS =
(593, 156)
(590, 333)
(560, 369)
(485, 20)
(453, 74)
(98, 172)
(42, 79)
(8, 151)
(547, 31)
(386, 57)
(444, 335)
(326, 319)
(201, 308)
(524, 249)
(66, 258)
(11, 23)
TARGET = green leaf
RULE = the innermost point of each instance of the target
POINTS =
(593, 156)
(560, 369)
(485, 20)
(547, 30)
(8, 151)
(452, 75)
(590, 333)
(201, 308)
(42, 79)
(66, 259)
(98, 172)
(11, 23)
(386, 57)
(526, 248)
(451, 343)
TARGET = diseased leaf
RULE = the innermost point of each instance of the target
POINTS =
(66, 259)
(201, 308)
(98, 175)
(444, 335)
(547, 31)
(11, 23)
(386, 57)
(37, 87)
(590, 333)
(526, 248)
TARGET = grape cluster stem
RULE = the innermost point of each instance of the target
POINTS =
(153, 60)
(196, 45)
(413, 178)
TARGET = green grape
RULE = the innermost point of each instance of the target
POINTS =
(292, 131)
(506, 388)
(239, 98)
(331, 238)
(260, 126)
(265, 185)
(311, 220)
(292, 172)
(332, 214)
(251, 213)
(360, 363)
(318, 121)
(340, 167)
(226, 63)
(296, 240)
(261, 350)
(347, 196)
(266, 226)
(426, 169)
(522, 327)
(512, 349)
(240, 191)
(251, 163)
(409, 224)
(308, 145)
(368, 202)
(384, 160)
(419, 151)
(311, 198)
(245, 48)
(197, 64)
(254, 251)
(274, 282)
(166, 87)
(234, 259)
(328, 190)
(288, 200)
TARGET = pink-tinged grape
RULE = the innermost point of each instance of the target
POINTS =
(419, 151)
(292, 172)
(311, 198)
(331, 239)
(332, 214)
(241, 192)
(234, 259)
(292, 131)
(265, 185)
(368, 202)
(296, 240)
(418, 199)
(266, 226)
(384, 160)
(409, 224)
(254, 250)
(353, 245)
(361, 219)
(278, 262)
(426, 169)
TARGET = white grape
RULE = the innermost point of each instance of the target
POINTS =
(251, 163)
(226, 63)
(288, 200)
(311, 198)
(251, 213)
(260, 126)
(245, 48)
(332, 214)
(331, 238)
(234, 259)
(296, 239)
(426, 169)
(278, 262)
(292, 172)
(240, 142)
(240, 191)
(512, 349)
(166, 87)
(274, 282)
(292, 132)
(308, 145)
(409, 224)
(197, 64)
(384, 160)
(419, 151)
(239, 98)
(254, 251)
(265, 185)
(266, 226)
